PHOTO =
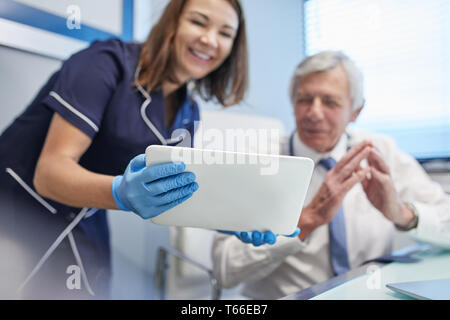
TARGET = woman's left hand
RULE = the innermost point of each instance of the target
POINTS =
(259, 238)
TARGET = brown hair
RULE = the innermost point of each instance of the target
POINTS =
(227, 83)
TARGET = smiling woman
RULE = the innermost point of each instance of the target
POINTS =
(204, 38)
(200, 40)
(113, 98)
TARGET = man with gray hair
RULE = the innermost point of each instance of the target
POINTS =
(363, 192)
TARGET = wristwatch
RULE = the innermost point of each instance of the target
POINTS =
(414, 222)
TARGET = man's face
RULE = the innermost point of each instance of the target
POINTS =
(323, 108)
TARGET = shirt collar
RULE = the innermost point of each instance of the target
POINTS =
(302, 150)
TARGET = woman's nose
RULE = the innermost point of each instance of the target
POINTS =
(209, 38)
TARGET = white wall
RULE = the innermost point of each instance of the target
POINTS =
(146, 13)
(21, 76)
(274, 30)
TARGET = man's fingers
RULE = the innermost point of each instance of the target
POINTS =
(355, 178)
(378, 175)
(353, 151)
(375, 159)
(365, 183)
(353, 164)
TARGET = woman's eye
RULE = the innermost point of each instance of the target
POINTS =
(198, 23)
(226, 34)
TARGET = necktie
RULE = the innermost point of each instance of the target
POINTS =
(338, 241)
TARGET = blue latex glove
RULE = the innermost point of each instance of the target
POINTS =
(150, 191)
(259, 238)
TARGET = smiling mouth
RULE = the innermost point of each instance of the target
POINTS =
(201, 56)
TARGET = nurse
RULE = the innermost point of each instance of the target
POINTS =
(79, 145)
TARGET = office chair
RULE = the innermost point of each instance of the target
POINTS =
(162, 264)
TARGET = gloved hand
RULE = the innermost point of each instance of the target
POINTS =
(150, 191)
(257, 238)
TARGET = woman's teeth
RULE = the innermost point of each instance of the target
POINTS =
(201, 55)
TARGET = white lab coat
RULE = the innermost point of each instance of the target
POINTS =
(271, 272)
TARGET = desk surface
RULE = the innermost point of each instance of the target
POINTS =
(369, 281)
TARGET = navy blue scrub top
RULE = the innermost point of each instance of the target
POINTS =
(93, 91)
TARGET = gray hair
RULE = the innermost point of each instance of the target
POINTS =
(327, 60)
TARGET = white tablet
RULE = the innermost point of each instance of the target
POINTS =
(237, 191)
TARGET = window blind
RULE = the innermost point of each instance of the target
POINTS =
(403, 49)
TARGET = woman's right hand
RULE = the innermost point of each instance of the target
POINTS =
(150, 191)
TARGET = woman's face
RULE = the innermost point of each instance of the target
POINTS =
(204, 38)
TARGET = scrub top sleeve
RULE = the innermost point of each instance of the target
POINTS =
(85, 85)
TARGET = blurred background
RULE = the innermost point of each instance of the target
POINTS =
(402, 47)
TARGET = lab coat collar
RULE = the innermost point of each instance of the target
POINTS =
(302, 150)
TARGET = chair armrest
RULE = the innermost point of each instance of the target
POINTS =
(162, 265)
